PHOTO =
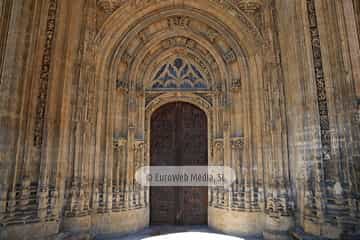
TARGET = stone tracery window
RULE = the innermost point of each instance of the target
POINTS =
(179, 74)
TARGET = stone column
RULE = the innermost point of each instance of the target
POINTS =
(237, 144)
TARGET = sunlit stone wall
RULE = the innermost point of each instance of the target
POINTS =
(278, 80)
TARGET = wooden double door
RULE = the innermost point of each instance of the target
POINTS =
(178, 138)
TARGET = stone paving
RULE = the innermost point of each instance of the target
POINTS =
(170, 232)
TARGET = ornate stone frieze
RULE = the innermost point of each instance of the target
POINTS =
(44, 74)
(248, 5)
(178, 21)
(230, 56)
(126, 58)
(320, 81)
(109, 6)
(169, 43)
(211, 34)
(139, 153)
(122, 85)
(206, 96)
(151, 96)
(236, 84)
(143, 36)
(233, 7)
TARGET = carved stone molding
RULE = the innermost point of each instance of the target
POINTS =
(178, 21)
(143, 36)
(320, 81)
(126, 58)
(357, 113)
(151, 96)
(178, 96)
(232, 7)
(109, 6)
(206, 96)
(230, 56)
(184, 48)
(5, 12)
(122, 85)
(249, 5)
(211, 34)
(236, 84)
(44, 74)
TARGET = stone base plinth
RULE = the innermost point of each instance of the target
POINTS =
(236, 223)
(30, 231)
(76, 224)
(121, 222)
(326, 230)
(278, 228)
(104, 223)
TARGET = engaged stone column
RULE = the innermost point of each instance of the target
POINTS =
(237, 144)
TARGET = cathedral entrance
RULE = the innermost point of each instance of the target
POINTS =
(178, 138)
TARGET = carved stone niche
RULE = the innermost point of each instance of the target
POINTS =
(218, 151)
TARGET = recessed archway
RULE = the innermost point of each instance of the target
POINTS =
(178, 138)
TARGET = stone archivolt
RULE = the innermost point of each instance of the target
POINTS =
(221, 56)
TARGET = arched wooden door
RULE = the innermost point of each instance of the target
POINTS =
(178, 138)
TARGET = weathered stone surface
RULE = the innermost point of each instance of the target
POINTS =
(278, 80)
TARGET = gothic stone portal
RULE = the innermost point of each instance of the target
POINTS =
(178, 138)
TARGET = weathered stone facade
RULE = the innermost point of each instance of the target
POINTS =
(279, 82)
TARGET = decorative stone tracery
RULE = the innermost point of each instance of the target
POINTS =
(179, 74)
